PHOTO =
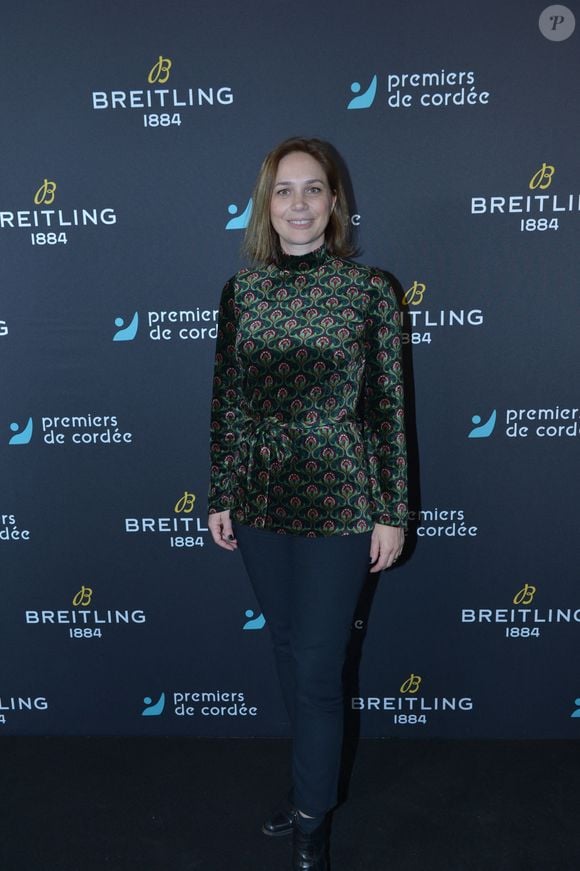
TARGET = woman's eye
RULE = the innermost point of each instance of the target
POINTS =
(281, 192)
(314, 190)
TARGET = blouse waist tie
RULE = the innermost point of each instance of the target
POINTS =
(269, 440)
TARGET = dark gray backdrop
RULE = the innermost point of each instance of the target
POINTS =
(490, 302)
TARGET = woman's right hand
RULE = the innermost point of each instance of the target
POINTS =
(220, 526)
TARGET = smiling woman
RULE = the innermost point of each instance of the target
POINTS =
(301, 204)
(308, 464)
(298, 166)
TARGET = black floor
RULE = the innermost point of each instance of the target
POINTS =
(179, 804)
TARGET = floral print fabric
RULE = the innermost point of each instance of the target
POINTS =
(307, 426)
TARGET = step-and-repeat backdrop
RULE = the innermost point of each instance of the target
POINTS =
(131, 137)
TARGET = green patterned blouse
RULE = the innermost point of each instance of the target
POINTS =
(307, 425)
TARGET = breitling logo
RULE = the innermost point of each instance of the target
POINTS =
(168, 101)
(83, 597)
(44, 196)
(525, 596)
(159, 72)
(542, 179)
(411, 684)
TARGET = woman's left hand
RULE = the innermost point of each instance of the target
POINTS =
(386, 546)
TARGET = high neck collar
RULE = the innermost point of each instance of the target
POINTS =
(303, 262)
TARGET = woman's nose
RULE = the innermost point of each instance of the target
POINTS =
(298, 200)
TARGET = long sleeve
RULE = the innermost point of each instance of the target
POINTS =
(382, 407)
(225, 407)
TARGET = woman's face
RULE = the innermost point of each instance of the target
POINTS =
(301, 203)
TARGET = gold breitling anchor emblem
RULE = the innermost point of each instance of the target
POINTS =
(45, 193)
(159, 72)
(83, 597)
(542, 179)
(414, 294)
(525, 596)
(185, 503)
(412, 684)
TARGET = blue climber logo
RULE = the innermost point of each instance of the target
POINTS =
(254, 622)
(126, 333)
(482, 430)
(21, 436)
(240, 222)
(153, 709)
(366, 99)
(576, 712)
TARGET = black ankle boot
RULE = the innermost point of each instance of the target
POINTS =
(311, 849)
(281, 822)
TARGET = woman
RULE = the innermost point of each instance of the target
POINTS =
(308, 463)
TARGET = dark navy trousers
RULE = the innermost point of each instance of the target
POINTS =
(307, 589)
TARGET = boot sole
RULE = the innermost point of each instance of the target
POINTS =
(283, 834)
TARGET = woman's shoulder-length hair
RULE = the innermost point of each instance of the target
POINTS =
(261, 243)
